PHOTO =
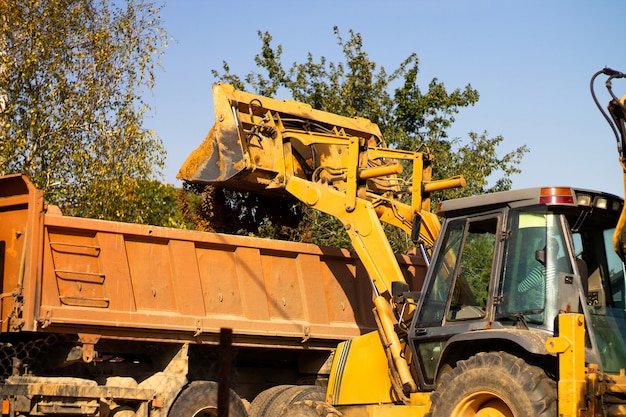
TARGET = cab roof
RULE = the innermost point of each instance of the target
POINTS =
(550, 196)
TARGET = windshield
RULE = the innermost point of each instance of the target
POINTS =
(605, 294)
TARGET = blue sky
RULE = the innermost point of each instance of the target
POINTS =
(531, 62)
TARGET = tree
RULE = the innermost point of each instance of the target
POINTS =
(421, 121)
(408, 118)
(73, 73)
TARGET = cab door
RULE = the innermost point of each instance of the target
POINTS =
(459, 293)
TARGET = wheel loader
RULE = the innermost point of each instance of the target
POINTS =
(522, 312)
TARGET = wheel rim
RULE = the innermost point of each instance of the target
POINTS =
(482, 404)
(206, 412)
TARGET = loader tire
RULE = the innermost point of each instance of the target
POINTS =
(495, 384)
(199, 399)
(272, 402)
(310, 408)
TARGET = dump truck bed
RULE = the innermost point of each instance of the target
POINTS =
(129, 281)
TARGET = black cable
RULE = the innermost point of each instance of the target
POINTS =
(612, 74)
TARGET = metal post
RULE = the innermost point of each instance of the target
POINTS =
(223, 390)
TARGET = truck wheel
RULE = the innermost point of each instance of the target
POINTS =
(495, 384)
(261, 402)
(199, 399)
(304, 392)
(310, 408)
(271, 402)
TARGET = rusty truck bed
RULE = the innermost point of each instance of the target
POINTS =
(129, 281)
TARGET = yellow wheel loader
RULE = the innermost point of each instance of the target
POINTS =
(522, 311)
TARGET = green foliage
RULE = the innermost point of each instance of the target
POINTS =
(155, 203)
(409, 118)
(477, 159)
(477, 263)
(72, 74)
(417, 116)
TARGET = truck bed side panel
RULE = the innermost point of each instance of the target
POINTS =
(125, 279)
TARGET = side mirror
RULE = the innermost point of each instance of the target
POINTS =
(398, 288)
(400, 291)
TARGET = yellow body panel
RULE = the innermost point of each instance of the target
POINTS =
(360, 373)
(569, 345)
(418, 407)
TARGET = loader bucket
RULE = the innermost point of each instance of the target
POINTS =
(220, 156)
(246, 150)
(215, 160)
(238, 153)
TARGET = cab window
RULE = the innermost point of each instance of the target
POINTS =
(535, 257)
(462, 272)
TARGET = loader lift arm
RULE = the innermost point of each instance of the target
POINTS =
(334, 164)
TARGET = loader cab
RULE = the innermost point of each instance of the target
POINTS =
(503, 268)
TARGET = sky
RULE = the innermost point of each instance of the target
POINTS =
(531, 62)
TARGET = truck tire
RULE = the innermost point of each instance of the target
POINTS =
(494, 384)
(310, 408)
(262, 401)
(199, 399)
(271, 402)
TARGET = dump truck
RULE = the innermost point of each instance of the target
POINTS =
(522, 311)
(101, 317)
